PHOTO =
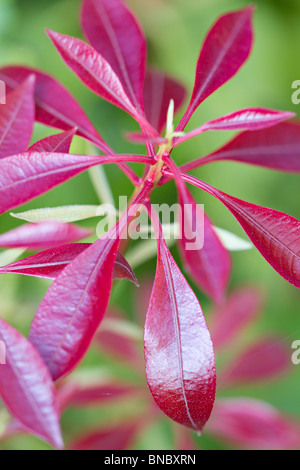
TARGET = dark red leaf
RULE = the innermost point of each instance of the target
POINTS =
(114, 32)
(59, 143)
(27, 389)
(119, 438)
(17, 119)
(179, 355)
(240, 308)
(225, 50)
(205, 258)
(251, 119)
(50, 263)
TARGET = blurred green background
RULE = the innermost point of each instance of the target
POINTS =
(175, 30)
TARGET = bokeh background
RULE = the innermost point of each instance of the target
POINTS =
(175, 30)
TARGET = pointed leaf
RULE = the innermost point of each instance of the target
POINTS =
(159, 90)
(17, 119)
(42, 236)
(277, 148)
(275, 234)
(253, 424)
(179, 356)
(27, 389)
(264, 360)
(114, 32)
(59, 143)
(96, 73)
(225, 50)
(26, 176)
(210, 265)
(64, 325)
(50, 263)
(231, 241)
(55, 106)
(251, 119)
(241, 308)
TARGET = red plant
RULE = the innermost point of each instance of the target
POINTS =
(238, 421)
(178, 350)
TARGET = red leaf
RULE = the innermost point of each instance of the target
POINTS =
(50, 263)
(100, 394)
(17, 119)
(275, 234)
(119, 438)
(159, 90)
(43, 235)
(96, 73)
(26, 176)
(55, 107)
(225, 50)
(253, 424)
(27, 389)
(59, 143)
(251, 119)
(241, 307)
(264, 360)
(206, 259)
(277, 148)
(114, 32)
(65, 324)
(179, 356)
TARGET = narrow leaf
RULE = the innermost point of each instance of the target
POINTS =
(159, 90)
(43, 235)
(26, 176)
(119, 438)
(179, 354)
(96, 73)
(27, 389)
(55, 106)
(17, 119)
(252, 119)
(59, 143)
(50, 263)
(114, 32)
(277, 148)
(225, 50)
